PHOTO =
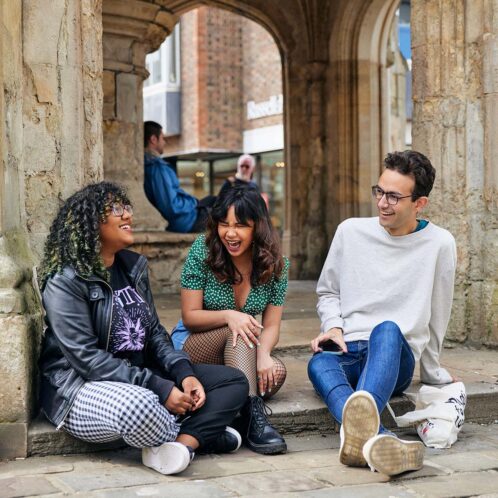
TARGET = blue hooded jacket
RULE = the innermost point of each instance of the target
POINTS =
(162, 188)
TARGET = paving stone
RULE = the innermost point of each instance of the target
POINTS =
(302, 460)
(268, 482)
(366, 491)
(312, 442)
(187, 489)
(34, 466)
(340, 475)
(13, 487)
(464, 484)
(468, 461)
(111, 477)
(208, 466)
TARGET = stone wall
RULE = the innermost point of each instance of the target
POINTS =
(131, 30)
(51, 144)
(455, 93)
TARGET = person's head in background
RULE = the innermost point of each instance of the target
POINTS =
(154, 139)
(245, 167)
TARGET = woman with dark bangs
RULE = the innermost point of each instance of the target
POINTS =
(108, 367)
(232, 274)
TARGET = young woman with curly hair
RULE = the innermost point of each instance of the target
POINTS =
(108, 367)
(230, 276)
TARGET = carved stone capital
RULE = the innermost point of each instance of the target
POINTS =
(140, 21)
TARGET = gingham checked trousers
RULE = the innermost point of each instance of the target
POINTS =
(105, 411)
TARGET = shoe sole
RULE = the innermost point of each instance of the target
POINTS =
(360, 422)
(170, 458)
(266, 449)
(237, 436)
(391, 456)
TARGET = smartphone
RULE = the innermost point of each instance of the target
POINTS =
(331, 347)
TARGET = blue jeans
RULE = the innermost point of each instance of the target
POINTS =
(383, 366)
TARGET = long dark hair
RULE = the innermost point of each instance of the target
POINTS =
(74, 238)
(266, 254)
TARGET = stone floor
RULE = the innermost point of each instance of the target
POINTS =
(310, 468)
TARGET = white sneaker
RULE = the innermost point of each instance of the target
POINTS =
(390, 455)
(360, 422)
(169, 458)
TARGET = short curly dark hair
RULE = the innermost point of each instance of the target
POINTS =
(74, 238)
(267, 260)
(416, 165)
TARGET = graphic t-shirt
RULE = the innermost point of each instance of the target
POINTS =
(130, 318)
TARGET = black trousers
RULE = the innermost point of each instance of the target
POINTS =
(226, 392)
(203, 210)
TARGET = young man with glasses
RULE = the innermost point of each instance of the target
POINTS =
(384, 298)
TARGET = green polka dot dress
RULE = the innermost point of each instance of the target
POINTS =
(196, 275)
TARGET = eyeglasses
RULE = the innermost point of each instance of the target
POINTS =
(118, 209)
(392, 199)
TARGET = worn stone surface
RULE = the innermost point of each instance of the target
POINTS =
(310, 468)
(13, 440)
(25, 486)
(166, 253)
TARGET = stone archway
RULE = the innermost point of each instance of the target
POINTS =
(135, 28)
(372, 96)
(131, 30)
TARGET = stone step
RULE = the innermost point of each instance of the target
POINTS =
(298, 409)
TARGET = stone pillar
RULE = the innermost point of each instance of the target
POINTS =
(50, 145)
(131, 30)
(16, 345)
(455, 92)
(306, 182)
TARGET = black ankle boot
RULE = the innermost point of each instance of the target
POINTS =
(261, 436)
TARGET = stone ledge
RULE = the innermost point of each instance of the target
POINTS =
(43, 439)
(13, 440)
(162, 237)
(166, 252)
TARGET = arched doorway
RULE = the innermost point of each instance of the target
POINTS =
(215, 86)
(128, 36)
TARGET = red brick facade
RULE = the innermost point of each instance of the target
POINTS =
(226, 60)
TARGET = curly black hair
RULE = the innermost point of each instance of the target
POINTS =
(74, 238)
(267, 257)
(415, 164)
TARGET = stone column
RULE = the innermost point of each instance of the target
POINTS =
(306, 183)
(455, 92)
(131, 30)
(50, 146)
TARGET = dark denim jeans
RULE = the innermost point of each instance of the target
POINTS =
(383, 366)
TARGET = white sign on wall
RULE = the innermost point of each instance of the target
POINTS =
(274, 105)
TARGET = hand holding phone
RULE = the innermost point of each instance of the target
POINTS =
(331, 347)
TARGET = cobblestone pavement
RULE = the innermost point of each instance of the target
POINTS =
(309, 469)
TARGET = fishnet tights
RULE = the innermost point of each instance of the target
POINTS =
(215, 347)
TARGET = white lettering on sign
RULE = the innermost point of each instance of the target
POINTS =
(274, 105)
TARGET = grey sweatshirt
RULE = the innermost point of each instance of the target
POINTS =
(370, 276)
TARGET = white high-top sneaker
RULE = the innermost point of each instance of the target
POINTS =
(169, 458)
(390, 455)
(360, 422)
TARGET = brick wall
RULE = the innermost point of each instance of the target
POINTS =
(262, 74)
(211, 62)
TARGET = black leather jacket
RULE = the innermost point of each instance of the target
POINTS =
(74, 349)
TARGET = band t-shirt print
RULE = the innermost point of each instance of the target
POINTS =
(130, 317)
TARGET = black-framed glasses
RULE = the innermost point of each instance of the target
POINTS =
(118, 209)
(392, 199)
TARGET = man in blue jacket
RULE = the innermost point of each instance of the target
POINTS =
(183, 211)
